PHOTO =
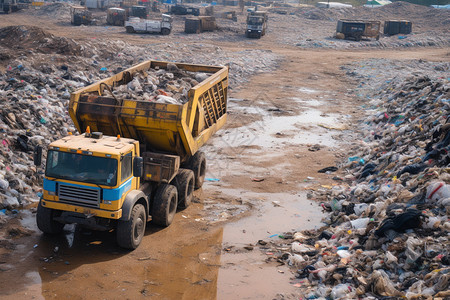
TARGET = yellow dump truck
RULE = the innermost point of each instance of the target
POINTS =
(136, 160)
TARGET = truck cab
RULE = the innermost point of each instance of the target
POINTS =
(89, 171)
(256, 24)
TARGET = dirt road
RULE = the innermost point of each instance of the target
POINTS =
(259, 167)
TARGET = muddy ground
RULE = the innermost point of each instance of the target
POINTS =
(284, 125)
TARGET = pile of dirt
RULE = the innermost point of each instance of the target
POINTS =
(58, 10)
(24, 38)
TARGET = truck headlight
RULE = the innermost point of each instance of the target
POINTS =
(107, 202)
(51, 193)
(259, 31)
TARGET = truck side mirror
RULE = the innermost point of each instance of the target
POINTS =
(138, 166)
(37, 156)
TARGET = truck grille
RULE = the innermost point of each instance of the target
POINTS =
(78, 195)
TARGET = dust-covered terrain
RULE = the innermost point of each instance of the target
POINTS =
(330, 179)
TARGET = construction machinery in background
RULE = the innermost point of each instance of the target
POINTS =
(164, 26)
(230, 15)
(80, 15)
(256, 24)
(116, 16)
(199, 24)
(10, 6)
(138, 11)
(397, 27)
(139, 161)
(184, 10)
(358, 29)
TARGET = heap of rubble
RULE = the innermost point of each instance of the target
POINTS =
(387, 230)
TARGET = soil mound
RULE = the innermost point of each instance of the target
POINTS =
(54, 10)
(35, 39)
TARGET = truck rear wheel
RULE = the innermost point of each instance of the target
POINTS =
(164, 205)
(184, 181)
(197, 163)
(45, 222)
(130, 29)
(131, 232)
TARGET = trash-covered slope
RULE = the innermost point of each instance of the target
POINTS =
(40, 72)
(387, 231)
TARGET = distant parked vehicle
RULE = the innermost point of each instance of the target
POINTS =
(357, 29)
(163, 27)
(80, 15)
(9, 6)
(184, 10)
(397, 27)
(199, 24)
(256, 24)
(116, 16)
(139, 11)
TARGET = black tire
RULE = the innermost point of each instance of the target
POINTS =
(131, 232)
(164, 205)
(45, 222)
(197, 163)
(130, 29)
(165, 31)
(184, 181)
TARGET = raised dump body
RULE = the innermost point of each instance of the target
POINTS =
(137, 159)
(179, 129)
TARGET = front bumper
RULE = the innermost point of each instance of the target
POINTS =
(89, 212)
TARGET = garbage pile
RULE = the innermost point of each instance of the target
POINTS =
(387, 231)
(169, 85)
(38, 71)
(59, 10)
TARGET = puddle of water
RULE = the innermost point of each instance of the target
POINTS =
(277, 213)
(308, 102)
(264, 133)
(308, 90)
(246, 275)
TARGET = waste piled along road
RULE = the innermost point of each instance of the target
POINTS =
(386, 233)
(386, 230)
(37, 93)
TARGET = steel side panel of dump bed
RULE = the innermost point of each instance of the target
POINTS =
(168, 128)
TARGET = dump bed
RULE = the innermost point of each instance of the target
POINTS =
(179, 129)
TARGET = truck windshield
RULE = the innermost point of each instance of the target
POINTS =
(83, 168)
(255, 20)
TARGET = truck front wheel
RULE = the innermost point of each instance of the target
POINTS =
(197, 163)
(164, 205)
(131, 232)
(184, 181)
(130, 29)
(45, 222)
(165, 31)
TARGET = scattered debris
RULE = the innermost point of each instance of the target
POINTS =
(386, 234)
